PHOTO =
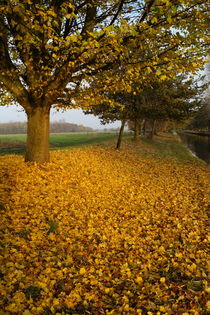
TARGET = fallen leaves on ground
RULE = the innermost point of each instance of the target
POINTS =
(98, 231)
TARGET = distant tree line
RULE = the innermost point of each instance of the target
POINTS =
(62, 126)
(55, 127)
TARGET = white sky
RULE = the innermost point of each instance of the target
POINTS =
(74, 116)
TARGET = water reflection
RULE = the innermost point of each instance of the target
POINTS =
(199, 145)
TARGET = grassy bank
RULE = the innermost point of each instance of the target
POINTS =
(164, 146)
(15, 144)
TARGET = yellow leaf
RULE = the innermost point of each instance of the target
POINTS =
(162, 308)
(163, 77)
(169, 19)
(163, 280)
(56, 302)
(18, 37)
(208, 306)
(82, 271)
(139, 280)
(154, 19)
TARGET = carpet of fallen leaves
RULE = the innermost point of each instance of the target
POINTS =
(98, 231)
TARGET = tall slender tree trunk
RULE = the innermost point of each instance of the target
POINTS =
(153, 129)
(208, 122)
(136, 130)
(37, 145)
(141, 127)
(119, 140)
(144, 127)
(164, 126)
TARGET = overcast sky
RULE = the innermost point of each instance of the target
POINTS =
(15, 113)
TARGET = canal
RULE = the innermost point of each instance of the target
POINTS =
(198, 145)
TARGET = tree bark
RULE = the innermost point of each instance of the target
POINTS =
(164, 126)
(37, 145)
(208, 122)
(139, 127)
(119, 140)
(153, 129)
(144, 127)
(136, 130)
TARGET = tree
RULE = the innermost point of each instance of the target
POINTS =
(175, 100)
(200, 120)
(107, 113)
(49, 48)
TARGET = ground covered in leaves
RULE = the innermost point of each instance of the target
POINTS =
(98, 231)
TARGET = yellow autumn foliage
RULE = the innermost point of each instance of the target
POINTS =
(98, 231)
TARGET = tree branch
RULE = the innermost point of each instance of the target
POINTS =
(90, 19)
(146, 10)
(118, 12)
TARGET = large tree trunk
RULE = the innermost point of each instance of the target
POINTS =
(119, 140)
(37, 147)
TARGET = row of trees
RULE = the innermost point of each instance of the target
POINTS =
(160, 101)
(52, 50)
(55, 127)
